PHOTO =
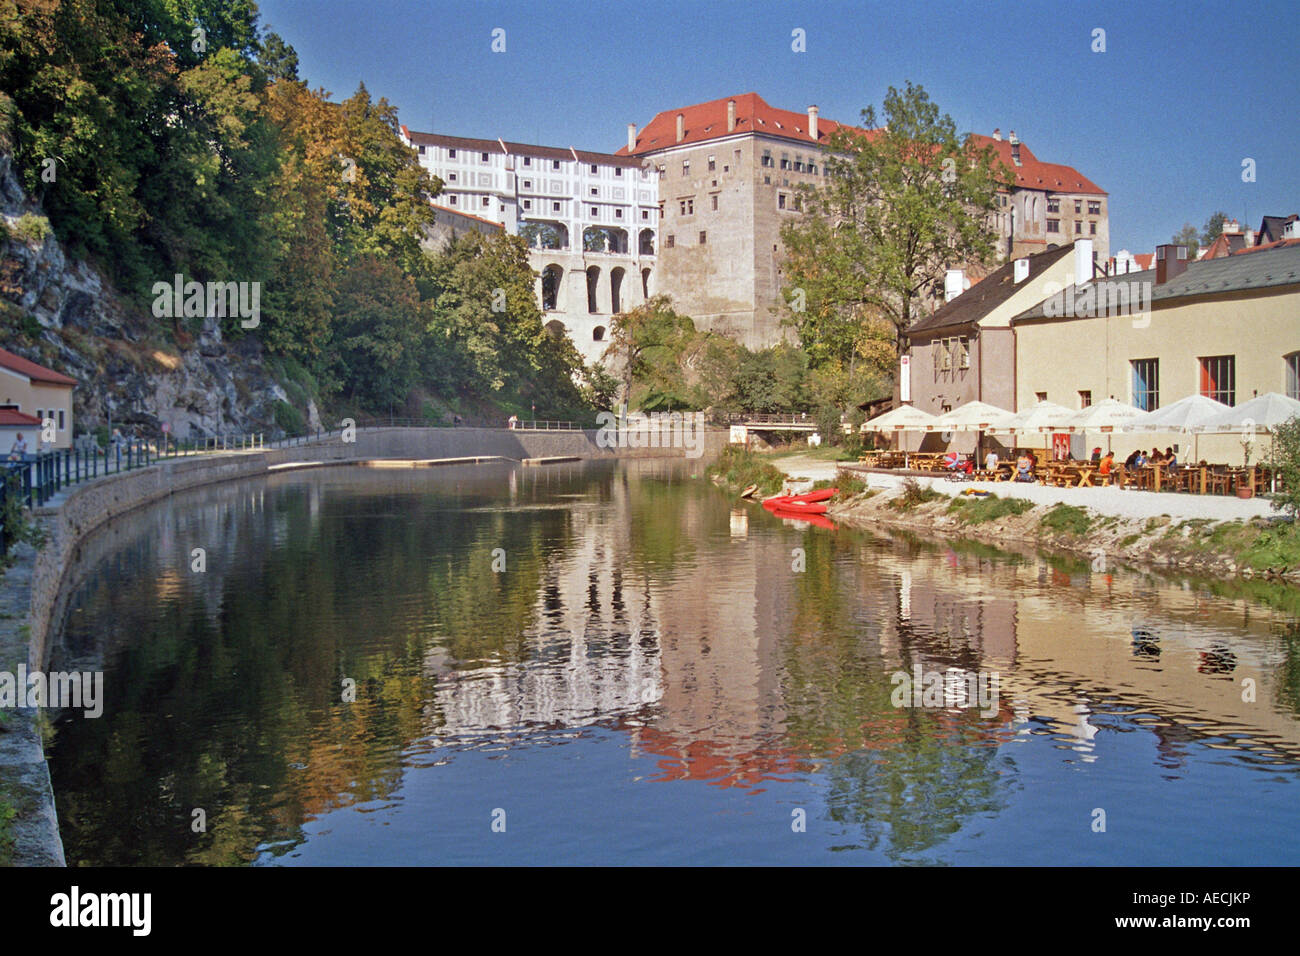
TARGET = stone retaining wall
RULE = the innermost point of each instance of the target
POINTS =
(31, 588)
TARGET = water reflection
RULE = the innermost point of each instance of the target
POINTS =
(617, 637)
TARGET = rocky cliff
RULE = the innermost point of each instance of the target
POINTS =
(133, 368)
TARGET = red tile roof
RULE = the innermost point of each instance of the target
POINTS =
(705, 121)
(37, 373)
(467, 215)
(10, 416)
(1145, 260)
(1279, 244)
(1035, 174)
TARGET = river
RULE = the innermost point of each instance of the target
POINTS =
(616, 663)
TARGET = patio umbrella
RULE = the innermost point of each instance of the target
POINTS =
(1188, 415)
(1105, 416)
(973, 417)
(1041, 417)
(1261, 414)
(905, 418)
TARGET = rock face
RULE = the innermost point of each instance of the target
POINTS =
(128, 369)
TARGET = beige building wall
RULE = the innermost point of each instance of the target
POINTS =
(1061, 357)
(51, 401)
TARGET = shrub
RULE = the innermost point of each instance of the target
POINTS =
(979, 510)
(739, 467)
(289, 419)
(1067, 519)
(31, 229)
(914, 494)
(1285, 460)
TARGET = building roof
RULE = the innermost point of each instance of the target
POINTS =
(37, 373)
(1272, 227)
(1279, 244)
(985, 296)
(472, 145)
(1147, 260)
(706, 121)
(1035, 174)
(10, 417)
(467, 215)
(1266, 268)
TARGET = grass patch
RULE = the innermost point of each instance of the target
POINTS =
(848, 485)
(972, 510)
(738, 467)
(1130, 540)
(1067, 519)
(1277, 546)
(914, 494)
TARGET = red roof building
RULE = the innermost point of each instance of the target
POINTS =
(30, 395)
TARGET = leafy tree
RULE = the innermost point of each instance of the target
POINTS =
(377, 338)
(769, 380)
(1213, 228)
(278, 59)
(1285, 459)
(900, 204)
(651, 343)
(1188, 236)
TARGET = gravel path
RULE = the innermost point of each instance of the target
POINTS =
(811, 469)
(1106, 501)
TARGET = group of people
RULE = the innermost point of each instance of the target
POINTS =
(1140, 458)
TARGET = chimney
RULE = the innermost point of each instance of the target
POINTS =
(731, 116)
(954, 284)
(1231, 228)
(1291, 230)
(997, 134)
(1022, 270)
(812, 121)
(1015, 148)
(1082, 261)
(1171, 262)
(681, 127)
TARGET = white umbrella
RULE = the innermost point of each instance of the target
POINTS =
(973, 417)
(1105, 416)
(1262, 414)
(905, 418)
(1043, 417)
(1187, 415)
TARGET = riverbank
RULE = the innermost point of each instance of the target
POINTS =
(1211, 535)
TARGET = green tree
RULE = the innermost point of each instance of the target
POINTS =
(1284, 458)
(1191, 238)
(1213, 228)
(651, 343)
(900, 204)
(377, 339)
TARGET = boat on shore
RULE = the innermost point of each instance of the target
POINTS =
(810, 502)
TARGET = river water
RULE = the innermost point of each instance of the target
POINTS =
(616, 663)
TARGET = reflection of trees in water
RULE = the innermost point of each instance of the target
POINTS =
(240, 713)
(1288, 672)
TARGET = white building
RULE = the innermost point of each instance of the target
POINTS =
(591, 219)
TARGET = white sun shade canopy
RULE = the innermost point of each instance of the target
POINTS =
(1262, 414)
(1108, 415)
(1185, 415)
(902, 419)
(1041, 417)
(974, 417)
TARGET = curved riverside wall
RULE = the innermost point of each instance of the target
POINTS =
(31, 588)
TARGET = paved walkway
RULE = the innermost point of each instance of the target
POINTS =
(1108, 501)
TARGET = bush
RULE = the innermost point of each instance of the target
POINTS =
(914, 494)
(289, 419)
(31, 229)
(1285, 460)
(739, 468)
(1067, 519)
(973, 510)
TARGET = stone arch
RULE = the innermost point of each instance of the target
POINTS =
(552, 277)
(645, 283)
(598, 334)
(615, 289)
(646, 242)
(556, 328)
(593, 288)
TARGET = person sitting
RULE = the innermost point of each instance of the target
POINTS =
(1171, 460)
(19, 448)
(991, 461)
(1155, 457)
(1096, 455)
(1105, 467)
(1141, 458)
(1024, 468)
(1131, 460)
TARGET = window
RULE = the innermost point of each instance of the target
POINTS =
(421, 150)
(687, 206)
(798, 203)
(1053, 225)
(595, 191)
(645, 214)
(704, 237)
(61, 424)
(451, 154)
(486, 201)
(1094, 208)
(714, 200)
(595, 212)
(1003, 203)
(1053, 205)
(942, 355)
(767, 158)
(451, 177)
(1092, 228)
(1078, 206)
(555, 207)
(1146, 384)
(780, 200)
(785, 161)
(712, 164)
(1040, 396)
(670, 241)
(555, 164)
(40, 413)
(812, 169)
(618, 214)
(767, 180)
(595, 170)
(528, 160)
(1085, 397)
(1078, 228)
(686, 167)
(483, 156)
(451, 200)
(528, 204)
(736, 155)
(1292, 375)
(1219, 378)
(528, 184)
(618, 171)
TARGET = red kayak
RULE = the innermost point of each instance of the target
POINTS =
(799, 501)
(821, 494)
(795, 506)
(817, 520)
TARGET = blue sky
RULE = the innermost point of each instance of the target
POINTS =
(1162, 120)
